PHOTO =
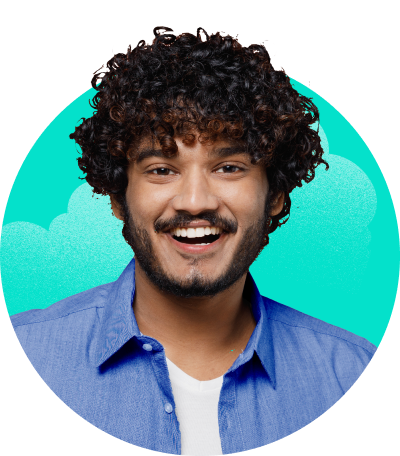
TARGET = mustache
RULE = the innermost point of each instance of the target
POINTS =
(183, 220)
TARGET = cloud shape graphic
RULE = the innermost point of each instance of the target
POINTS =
(323, 249)
(82, 249)
(327, 236)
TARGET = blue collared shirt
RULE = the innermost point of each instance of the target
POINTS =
(89, 350)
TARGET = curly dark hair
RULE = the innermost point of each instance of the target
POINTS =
(214, 88)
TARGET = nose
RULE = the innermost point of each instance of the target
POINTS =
(195, 194)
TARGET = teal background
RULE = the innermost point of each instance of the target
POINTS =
(336, 259)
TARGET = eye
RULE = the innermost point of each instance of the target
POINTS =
(165, 170)
(230, 168)
(161, 171)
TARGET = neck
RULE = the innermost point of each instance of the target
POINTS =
(202, 327)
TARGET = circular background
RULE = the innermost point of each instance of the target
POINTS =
(336, 258)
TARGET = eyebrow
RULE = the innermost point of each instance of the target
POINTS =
(221, 152)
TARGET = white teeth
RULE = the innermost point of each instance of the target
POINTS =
(196, 232)
(191, 232)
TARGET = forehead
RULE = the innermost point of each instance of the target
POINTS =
(220, 148)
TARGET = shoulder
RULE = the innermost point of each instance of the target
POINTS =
(73, 307)
(319, 348)
(61, 339)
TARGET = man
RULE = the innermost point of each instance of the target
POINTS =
(199, 144)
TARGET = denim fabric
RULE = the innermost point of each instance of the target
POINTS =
(89, 350)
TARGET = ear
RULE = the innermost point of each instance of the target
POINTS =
(116, 208)
(277, 204)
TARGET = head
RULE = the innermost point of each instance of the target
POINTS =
(199, 143)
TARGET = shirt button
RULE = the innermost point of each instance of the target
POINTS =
(168, 407)
(147, 347)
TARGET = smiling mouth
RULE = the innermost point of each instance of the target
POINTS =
(207, 239)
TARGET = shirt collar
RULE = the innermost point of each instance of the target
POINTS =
(119, 324)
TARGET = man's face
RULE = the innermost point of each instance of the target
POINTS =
(195, 221)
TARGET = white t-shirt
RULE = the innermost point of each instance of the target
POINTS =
(197, 411)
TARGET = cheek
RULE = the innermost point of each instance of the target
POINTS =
(146, 204)
(252, 209)
(247, 202)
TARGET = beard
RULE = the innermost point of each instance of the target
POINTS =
(254, 239)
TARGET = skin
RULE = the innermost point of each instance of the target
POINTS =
(198, 334)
